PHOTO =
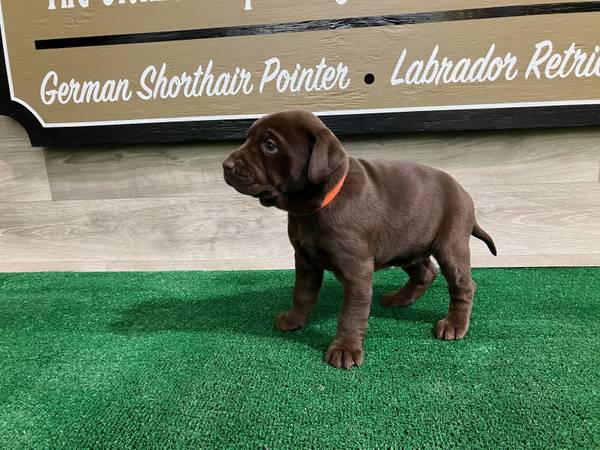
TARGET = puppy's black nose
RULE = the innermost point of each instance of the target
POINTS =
(229, 164)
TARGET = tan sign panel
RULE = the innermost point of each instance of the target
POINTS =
(204, 69)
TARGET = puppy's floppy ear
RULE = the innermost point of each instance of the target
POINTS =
(326, 157)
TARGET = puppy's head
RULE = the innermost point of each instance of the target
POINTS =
(285, 154)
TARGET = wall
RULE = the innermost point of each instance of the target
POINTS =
(166, 207)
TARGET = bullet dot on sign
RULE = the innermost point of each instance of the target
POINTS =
(369, 78)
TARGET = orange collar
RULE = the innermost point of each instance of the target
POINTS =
(331, 195)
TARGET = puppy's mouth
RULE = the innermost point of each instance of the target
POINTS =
(266, 195)
(267, 198)
(243, 184)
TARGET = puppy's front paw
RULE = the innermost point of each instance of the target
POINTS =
(449, 330)
(344, 356)
(288, 321)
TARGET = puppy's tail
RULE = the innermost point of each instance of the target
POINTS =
(483, 236)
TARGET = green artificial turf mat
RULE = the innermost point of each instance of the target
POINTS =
(191, 359)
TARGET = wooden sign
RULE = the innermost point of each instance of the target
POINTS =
(91, 71)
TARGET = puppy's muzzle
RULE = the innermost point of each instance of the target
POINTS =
(229, 164)
(237, 175)
(232, 172)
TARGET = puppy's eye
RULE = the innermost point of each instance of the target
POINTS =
(270, 147)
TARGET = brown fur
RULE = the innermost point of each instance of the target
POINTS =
(387, 213)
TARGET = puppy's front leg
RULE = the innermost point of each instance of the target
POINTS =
(347, 348)
(306, 292)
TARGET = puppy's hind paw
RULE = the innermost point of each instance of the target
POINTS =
(398, 299)
(288, 321)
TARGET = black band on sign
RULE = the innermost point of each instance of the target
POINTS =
(321, 25)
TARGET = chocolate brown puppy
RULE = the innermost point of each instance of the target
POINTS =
(352, 217)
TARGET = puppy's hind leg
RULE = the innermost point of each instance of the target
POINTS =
(455, 262)
(421, 275)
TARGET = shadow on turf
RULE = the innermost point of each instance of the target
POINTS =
(254, 313)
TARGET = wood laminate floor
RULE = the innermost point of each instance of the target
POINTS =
(167, 208)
